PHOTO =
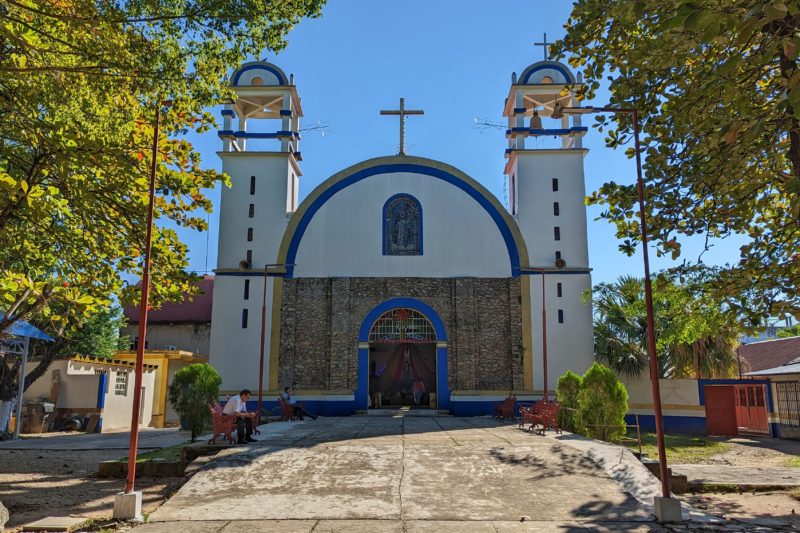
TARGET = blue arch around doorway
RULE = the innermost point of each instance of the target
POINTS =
(443, 391)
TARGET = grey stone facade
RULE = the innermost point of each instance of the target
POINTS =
(321, 318)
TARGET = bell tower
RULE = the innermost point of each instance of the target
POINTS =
(545, 171)
(261, 155)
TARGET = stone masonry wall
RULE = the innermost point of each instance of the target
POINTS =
(321, 318)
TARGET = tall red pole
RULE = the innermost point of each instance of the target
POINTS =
(544, 339)
(651, 329)
(137, 391)
(263, 342)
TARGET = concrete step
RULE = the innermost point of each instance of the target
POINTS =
(403, 411)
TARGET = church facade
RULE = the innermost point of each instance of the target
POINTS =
(400, 281)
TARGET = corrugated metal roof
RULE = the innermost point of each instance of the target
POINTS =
(793, 368)
(197, 310)
(20, 328)
(769, 354)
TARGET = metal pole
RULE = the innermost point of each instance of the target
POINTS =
(137, 391)
(544, 339)
(651, 329)
(21, 391)
(263, 342)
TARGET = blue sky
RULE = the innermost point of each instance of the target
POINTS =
(452, 58)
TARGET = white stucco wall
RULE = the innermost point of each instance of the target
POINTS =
(345, 236)
(117, 408)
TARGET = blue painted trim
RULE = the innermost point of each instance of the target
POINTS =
(544, 65)
(260, 66)
(251, 274)
(228, 113)
(518, 110)
(545, 131)
(558, 272)
(421, 227)
(302, 225)
(101, 398)
(225, 133)
(286, 112)
(442, 388)
(254, 135)
(687, 425)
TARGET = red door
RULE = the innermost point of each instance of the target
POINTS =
(751, 408)
(720, 403)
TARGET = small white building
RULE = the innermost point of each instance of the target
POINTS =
(89, 387)
(401, 270)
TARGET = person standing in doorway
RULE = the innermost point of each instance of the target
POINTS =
(418, 388)
(375, 386)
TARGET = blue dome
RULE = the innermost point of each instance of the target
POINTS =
(258, 73)
(558, 73)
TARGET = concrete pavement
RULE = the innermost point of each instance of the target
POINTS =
(401, 474)
(747, 476)
(149, 438)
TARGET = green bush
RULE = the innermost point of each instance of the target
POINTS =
(602, 404)
(192, 389)
(567, 389)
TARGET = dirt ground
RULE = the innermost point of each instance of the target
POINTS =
(756, 451)
(35, 484)
(767, 505)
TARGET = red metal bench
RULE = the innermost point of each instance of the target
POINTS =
(505, 410)
(221, 425)
(543, 413)
(287, 411)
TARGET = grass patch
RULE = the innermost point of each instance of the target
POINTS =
(793, 462)
(681, 449)
(796, 494)
(169, 454)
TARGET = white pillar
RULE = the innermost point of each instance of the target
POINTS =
(21, 390)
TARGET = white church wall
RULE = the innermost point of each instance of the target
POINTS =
(269, 219)
(235, 350)
(570, 346)
(535, 171)
(345, 236)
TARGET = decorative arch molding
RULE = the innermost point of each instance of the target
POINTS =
(259, 65)
(443, 390)
(515, 244)
(527, 74)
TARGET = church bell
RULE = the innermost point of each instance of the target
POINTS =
(536, 121)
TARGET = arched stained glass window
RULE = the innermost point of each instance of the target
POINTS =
(402, 325)
(402, 226)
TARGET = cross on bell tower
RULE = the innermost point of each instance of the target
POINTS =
(546, 47)
(402, 112)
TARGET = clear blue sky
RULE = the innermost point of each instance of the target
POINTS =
(452, 58)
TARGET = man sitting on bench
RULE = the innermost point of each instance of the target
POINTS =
(237, 406)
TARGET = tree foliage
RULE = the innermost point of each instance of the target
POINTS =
(567, 389)
(717, 85)
(695, 337)
(79, 82)
(193, 388)
(791, 331)
(602, 404)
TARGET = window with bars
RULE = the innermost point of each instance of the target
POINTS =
(402, 325)
(788, 403)
(121, 384)
(555, 184)
(560, 316)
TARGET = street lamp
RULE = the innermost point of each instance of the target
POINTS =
(558, 112)
(128, 504)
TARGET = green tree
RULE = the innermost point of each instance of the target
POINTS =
(567, 390)
(717, 86)
(193, 388)
(79, 83)
(602, 404)
(694, 336)
(792, 331)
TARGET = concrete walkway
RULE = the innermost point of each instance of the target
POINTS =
(401, 474)
(149, 438)
(749, 476)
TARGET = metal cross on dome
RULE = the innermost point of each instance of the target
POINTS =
(546, 46)
(402, 112)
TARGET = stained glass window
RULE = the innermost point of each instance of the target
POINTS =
(402, 226)
(402, 325)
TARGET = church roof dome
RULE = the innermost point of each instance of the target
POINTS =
(547, 72)
(258, 73)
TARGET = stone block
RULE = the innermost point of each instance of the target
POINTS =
(56, 523)
(667, 510)
(128, 506)
(3, 516)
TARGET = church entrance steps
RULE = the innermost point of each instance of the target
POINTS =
(403, 411)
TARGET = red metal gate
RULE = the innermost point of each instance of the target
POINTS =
(720, 401)
(751, 409)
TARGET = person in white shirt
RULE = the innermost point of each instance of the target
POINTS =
(298, 408)
(237, 406)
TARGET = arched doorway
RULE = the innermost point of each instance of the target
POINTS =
(403, 345)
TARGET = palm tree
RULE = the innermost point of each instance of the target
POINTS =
(694, 337)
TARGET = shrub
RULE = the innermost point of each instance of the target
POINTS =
(602, 404)
(567, 389)
(192, 389)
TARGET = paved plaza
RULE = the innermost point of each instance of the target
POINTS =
(401, 474)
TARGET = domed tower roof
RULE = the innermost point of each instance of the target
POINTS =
(546, 73)
(259, 73)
